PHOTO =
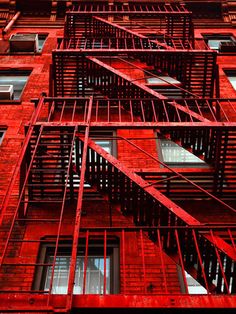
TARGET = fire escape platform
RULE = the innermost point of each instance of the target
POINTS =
(36, 302)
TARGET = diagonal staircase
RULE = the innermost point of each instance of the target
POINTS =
(197, 250)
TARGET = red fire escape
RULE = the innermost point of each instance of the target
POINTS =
(61, 166)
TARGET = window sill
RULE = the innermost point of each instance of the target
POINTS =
(182, 170)
(21, 53)
(10, 102)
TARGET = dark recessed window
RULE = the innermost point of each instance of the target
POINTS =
(2, 133)
(164, 84)
(105, 141)
(41, 42)
(221, 43)
(94, 266)
(12, 83)
(231, 74)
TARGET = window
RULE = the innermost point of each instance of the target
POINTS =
(108, 144)
(220, 42)
(27, 42)
(41, 41)
(95, 262)
(194, 287)
(162, 80)
(103, 139)
(231, 74)
(15, 80)
(164, 84)
(175, 155)
(2, 133)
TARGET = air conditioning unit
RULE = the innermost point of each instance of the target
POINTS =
(227, 47)
(6, 92)
(24, 43)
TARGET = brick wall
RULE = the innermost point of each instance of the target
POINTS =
(96, 215)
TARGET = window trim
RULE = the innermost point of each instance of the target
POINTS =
(108, 133)
(170, 89)
(3, 131)
(217, 36)
(182, 285)
(230, 72)
(95, 242)
(194, 165)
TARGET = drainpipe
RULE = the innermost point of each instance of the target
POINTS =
(11, 23)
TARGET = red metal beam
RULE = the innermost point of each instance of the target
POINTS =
(76, 232)
(178, 211)
(145, 125)
(161, 198)
(33, 302)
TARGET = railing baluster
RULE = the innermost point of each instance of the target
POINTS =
(123, 259)
(105, 262)
(143, 262)
(85, 261)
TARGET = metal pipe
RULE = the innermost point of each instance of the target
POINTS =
(11, 23)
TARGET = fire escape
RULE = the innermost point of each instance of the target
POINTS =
(61, 166)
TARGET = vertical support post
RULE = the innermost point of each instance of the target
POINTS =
(85, 261)
(200, 260)
(123, 259)
(181, 261)
(110, 209)
(105, 263)
(61, 215)
(221, 267)
(143, 261)
(217, 80)
(78, 213)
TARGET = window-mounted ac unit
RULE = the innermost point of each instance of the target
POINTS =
(227, 47)
(24, 43)
(6, 92)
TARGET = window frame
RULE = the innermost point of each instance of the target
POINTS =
(217, 36)
(96, 244)
(107, 133)
(202, 164)
(16, 71)
(189, 278)
(174, 91)
(230, 73)
(3, 131)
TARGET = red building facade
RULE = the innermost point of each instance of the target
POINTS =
(117, 156)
